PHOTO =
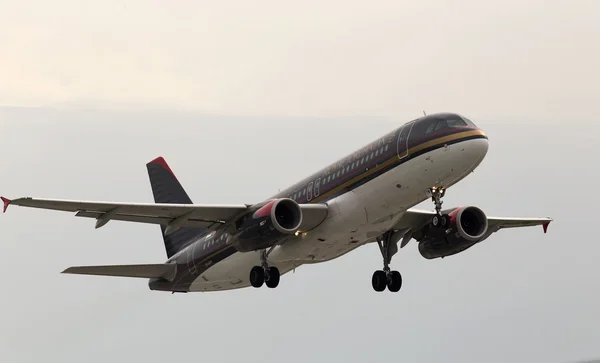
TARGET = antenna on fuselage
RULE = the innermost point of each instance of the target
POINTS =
(424, 114)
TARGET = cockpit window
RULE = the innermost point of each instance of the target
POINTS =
(445, 124)
(436, 124)
(468, 122)
(455, 121)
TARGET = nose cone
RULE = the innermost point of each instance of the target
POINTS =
(479, 146)
(484, 145)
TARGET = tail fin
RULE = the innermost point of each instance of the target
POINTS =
(167, 189)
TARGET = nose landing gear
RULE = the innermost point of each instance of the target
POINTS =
(436, 195)
(386, 277)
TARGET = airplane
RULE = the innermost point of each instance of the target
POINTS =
(368, 196)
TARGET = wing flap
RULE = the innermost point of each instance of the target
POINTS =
(192, 223)
(497, 223)
(187, 215)
(166, 271)
(208, 211)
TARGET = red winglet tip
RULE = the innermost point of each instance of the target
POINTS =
(545, 226)
(6, 203)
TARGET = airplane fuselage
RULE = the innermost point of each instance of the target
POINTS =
(366, 193)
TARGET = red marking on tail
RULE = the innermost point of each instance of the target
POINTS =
(6, 203)
(161, 161)
(545, 226)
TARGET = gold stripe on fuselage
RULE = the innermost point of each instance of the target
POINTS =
(415, 149)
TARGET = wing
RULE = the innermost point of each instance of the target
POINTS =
(173, 216)
(414, 220)
(176, 215)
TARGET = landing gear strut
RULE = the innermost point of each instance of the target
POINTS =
(439, 219)
(386, 277)
(264, 274)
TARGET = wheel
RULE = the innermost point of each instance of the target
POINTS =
(379, 281)
(444, 221)
(257, 276)
(274, 276)
(435, 221)
(394, 282)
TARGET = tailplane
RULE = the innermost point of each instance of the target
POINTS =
(167, 189)
(165, 271)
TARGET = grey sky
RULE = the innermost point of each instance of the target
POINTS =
(533, 58)
(332, 77)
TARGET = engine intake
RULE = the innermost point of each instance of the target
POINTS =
(470, 222)
(467, 226)
(286, 215)
(268, 225)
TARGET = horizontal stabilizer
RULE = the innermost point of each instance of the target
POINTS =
(166, 271)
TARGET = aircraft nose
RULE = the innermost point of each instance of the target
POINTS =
(481, 145)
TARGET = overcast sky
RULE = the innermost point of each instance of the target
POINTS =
(244, 98)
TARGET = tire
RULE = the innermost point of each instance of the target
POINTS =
(395, 282)
(274, 277)
(444, 221)
(379, 281)
(257, 276)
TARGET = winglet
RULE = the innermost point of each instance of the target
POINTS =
(6, 203)
(545, 226)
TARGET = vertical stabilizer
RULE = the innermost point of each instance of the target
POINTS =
(167, 189)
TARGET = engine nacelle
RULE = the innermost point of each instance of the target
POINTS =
(268, 225)
(467, 226)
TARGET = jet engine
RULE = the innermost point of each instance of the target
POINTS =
(466, 227)
(267, 225)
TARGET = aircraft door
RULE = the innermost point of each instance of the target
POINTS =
(403, 140)
(309, 190)
(317, 187)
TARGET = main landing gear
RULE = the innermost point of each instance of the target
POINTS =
(386, 277)
(439, 219)
(264, 274)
